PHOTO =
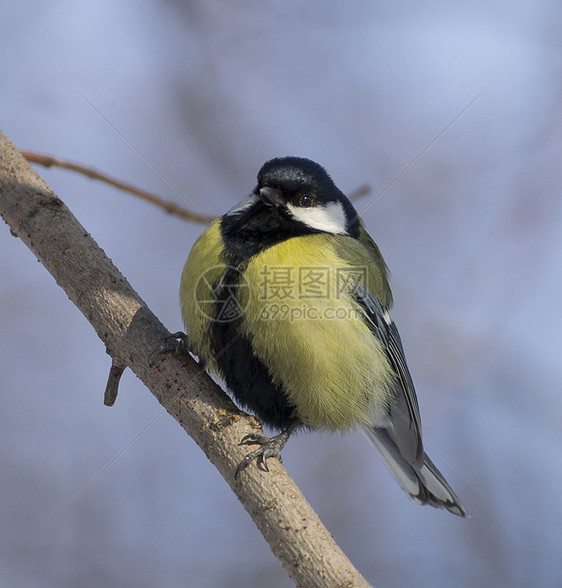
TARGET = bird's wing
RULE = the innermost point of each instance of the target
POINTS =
(402, 426)
(396, 433)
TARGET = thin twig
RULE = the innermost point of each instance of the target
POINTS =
(170, 207)
(363, 190)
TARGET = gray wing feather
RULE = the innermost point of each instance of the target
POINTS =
(397, 437)
(404, 412)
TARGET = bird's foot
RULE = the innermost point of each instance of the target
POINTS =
(176, 343)
(270, 447)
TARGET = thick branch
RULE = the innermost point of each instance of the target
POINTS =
(131, 332)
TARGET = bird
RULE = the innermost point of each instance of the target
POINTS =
(286, 300)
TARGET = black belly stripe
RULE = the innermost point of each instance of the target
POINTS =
(245, 375)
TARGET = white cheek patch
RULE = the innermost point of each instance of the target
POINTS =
(329, 218)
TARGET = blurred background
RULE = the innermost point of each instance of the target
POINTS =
(188, 99)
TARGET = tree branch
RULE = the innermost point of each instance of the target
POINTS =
(169, 207)
(131, 333)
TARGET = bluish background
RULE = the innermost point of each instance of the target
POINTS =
(472, 231)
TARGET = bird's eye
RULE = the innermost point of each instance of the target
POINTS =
(306, 201)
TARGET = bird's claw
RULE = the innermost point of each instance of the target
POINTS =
(269, 448)
(173, 344)
(254, 438)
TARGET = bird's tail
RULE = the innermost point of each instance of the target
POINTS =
(425, 484)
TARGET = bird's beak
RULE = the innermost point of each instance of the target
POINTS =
(271, 196)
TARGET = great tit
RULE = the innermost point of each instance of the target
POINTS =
(286, 299)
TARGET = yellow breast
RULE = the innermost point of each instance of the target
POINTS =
(307, 328)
